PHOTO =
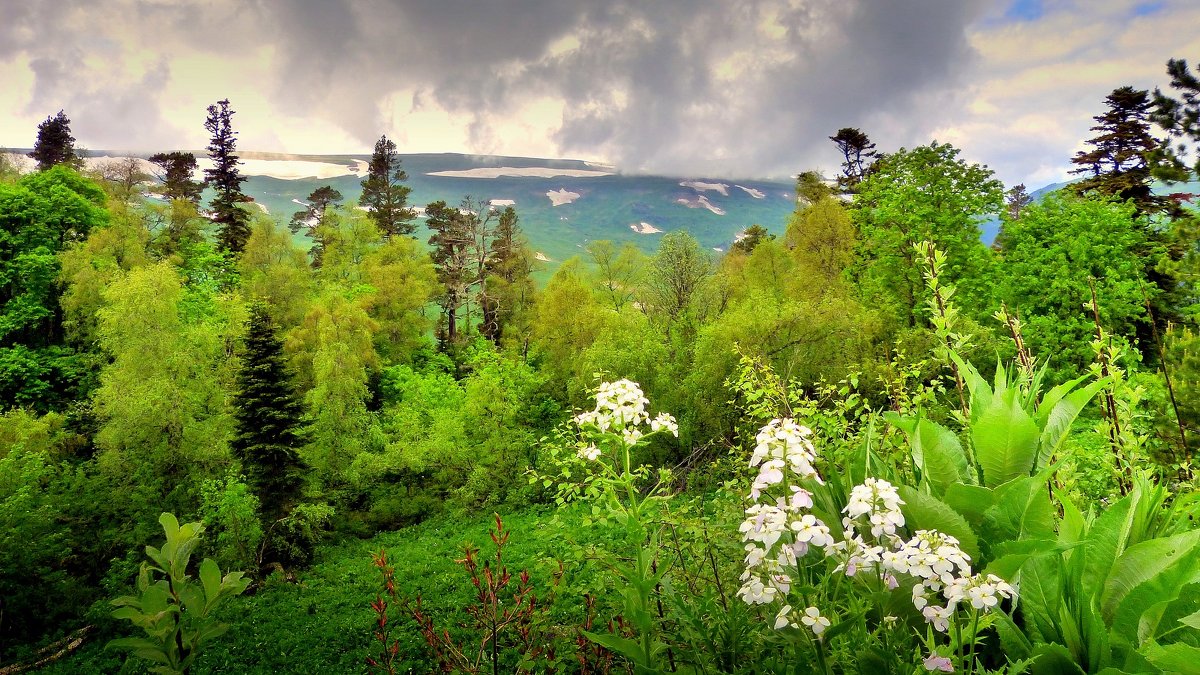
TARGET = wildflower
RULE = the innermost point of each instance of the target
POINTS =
(809, 530)
(755, 592)
(784, 439)
(591, 453)
(781, 619)
(665, 422)
(764, 523)
(938, 616)
(940, 663)
(813, 619)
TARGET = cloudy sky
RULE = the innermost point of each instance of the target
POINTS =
(712, 88)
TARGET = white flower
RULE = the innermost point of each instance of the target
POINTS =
(755, 555)
(879, 501)
(809, 530)
(590, 453)
(938, 616)
(781, 619)
(940, 663)
(665, 421)
(764, 523)
(784, 439)
(755, 592)
(813, 619)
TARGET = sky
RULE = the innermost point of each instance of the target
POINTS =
(697, 88)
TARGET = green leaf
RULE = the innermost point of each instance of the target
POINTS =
(1192, 620)
(926, 512)
(1054, 659)
(1005, 439)
(1141, 562)
(210, 578)
(630, 649)
(1056, 421)
(935, 450)
(1173, 658)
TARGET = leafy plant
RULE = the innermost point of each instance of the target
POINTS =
(174, 611)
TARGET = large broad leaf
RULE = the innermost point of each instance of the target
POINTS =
(1022, 510)
(1105, 542)
(1138, 615)
(1040, 599)
(1142, 562)
(1174, 658)
(1056, 421)
(926, 512)
(630, 649)
(1164, 617)
(1005, 439)
(975, 383)
(972, 501)
(935, 450)
(1054, 659)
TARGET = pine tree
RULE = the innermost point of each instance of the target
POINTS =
(234, 222)
(857, 152)
(1180, 118)
(1015, 201)
(312, 219)
(509, 266)
(384, 194)
(269, 418)
(177, 169)
(1118, 163)
(450, 242)
(55, 144)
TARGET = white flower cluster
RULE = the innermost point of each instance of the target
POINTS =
(778, 532)
(621, 409)
(782, 444)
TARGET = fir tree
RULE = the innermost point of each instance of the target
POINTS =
(1118, 163)
(1015, 201)
(509, 266)
(55, 144)
(1180, 118)
(269, 416)
(384, 194)
(225, 180)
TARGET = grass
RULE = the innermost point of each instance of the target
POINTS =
(322, 623)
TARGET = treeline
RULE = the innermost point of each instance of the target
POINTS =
(156, 355)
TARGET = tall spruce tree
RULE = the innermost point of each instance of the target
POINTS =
(269, 418)
(510, 287)
(55, 144)
(1119, 161)
(384, 192)
(225, 180)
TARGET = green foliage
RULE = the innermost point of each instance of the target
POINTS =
(55, 145)
(174, 611)
(923, 194)
(269, 418)
(383, 192)
(231, 510)
(225, 179)
(1051, 255)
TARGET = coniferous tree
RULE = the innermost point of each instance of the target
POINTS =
(384, 193)
(1015, 201)
(450, 242)
(269, 418)
(312, 219)
(177, 170)
(750, 239)
(1118, 163)
(1180, 118)
(225, 180)
(55, 144)
(858, 152)
(509, 264)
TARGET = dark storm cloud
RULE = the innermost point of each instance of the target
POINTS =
(838, 64)
(648, 87)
